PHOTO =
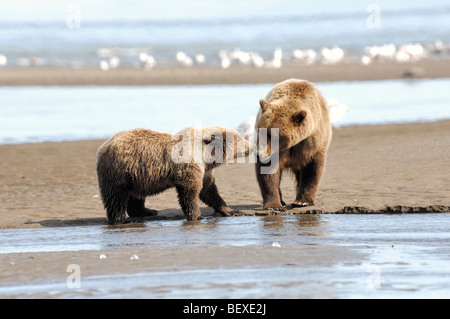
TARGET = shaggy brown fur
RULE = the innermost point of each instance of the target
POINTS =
(138, 163)
(299, 111)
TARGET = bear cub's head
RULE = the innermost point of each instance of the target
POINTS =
(210, 145)
(222, 145)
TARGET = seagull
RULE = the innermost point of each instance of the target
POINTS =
(147, 61)
(276, 62)
(410, 53)
(308, 55)
(241, 57)
(114, 62)
(150, 63)
(384, 52)
(257, 60)
(183, 59)
(225, 60)
(440, 47)
(273, 64)
(3, 60)
(337, 111)
(104, 65)
(278, 54)
(298, 54)
(401, 56)
(332, 56)
(225, 63)
(365, 60)
(143, 57)
(200, 58)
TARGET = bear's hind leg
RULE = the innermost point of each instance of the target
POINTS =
(136, 208)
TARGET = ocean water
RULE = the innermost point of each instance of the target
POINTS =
(63, 35)
(36, 114)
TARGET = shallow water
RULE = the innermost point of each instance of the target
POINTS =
(35, 114)
(400, 256)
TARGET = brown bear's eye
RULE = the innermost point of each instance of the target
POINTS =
(299, 117)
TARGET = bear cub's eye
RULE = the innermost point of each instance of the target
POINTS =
(208, 140)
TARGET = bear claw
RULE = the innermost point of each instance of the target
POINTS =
(277, 209)
(232, 213)
(150, 212)
(235, 213)
(301, 204)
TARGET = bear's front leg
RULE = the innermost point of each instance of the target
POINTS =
(308, 179)
(136, 208)
(211, 197)
(269, 184)
(188, 196)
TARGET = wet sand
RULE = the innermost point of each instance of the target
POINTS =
(233, 75)
(303, 256)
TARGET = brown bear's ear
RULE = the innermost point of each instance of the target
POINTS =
(264, 105)
(299, 117)
(209, 139)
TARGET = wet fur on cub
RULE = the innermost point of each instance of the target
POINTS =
(138, 163)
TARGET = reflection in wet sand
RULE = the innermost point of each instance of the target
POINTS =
(316, 256)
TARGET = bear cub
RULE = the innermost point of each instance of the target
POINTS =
(138, 163)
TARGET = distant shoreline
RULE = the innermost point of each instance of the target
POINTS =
(233, 75)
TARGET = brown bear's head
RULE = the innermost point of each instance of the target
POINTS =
(288, 116)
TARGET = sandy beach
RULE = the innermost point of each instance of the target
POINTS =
(234, 75)
(376, 168)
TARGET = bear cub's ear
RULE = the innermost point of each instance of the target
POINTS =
(264, 105)
(209, 139)
(299, 117)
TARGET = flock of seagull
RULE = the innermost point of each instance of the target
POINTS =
(412, 52)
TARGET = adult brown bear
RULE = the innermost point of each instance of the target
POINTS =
(298, 112)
